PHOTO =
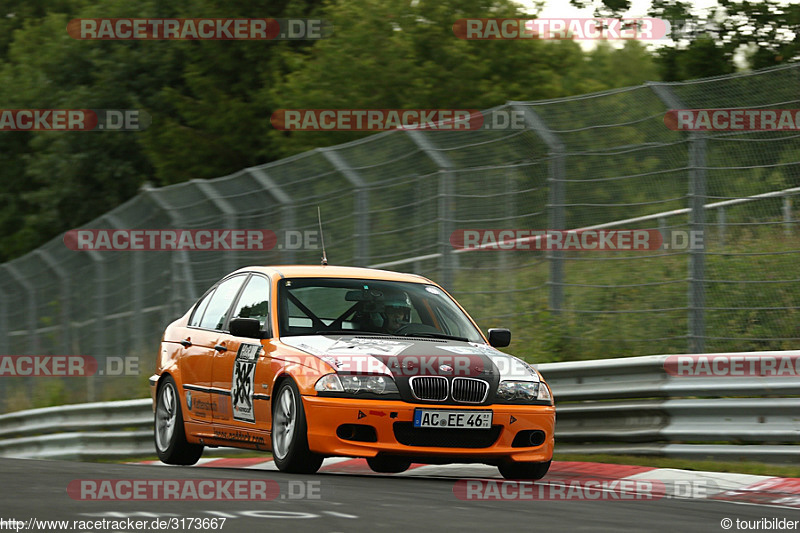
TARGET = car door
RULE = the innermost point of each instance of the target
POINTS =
(205, 335)
(241, 368)
(195, 364)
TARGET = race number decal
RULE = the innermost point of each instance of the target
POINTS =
(244, 370)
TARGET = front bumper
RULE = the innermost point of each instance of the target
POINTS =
(325, 414)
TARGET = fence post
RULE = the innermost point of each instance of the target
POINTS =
(288, 218)
(720, 226)
(180, 258)
(65, 306)
(555, 209)
(445, 207)
(99, 330)
(697, 258)
(136, 281)
(361, 229)
(787, 215)
(4, 330)
(697, 196)
(30, 311)
(228, 216)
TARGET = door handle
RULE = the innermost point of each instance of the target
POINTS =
(220, 348)
(186, 343)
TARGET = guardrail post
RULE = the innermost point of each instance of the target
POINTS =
(446, 204)
(288, 219)
(361, 228)
(555, 209)
(65, 302)
(697, 214)
(180, 258)
(30, 308)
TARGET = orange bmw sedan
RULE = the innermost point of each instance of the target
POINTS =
(311, 362)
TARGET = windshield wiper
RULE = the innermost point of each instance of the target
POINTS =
(437, 336)
(350, 332)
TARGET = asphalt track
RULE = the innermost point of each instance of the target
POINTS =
(350, 502)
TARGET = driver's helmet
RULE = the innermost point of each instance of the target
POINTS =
(397, 309)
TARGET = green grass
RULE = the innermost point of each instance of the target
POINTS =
(633, 286)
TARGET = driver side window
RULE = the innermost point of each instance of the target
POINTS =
(217, 311)
(254, 301)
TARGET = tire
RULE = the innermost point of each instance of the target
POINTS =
(388, 465)
(169, 434)
(511, 470)
(290, 433)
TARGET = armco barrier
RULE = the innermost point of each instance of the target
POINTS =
(610, 406)
(633, 406)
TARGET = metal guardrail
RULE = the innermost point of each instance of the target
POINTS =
(83, 431)
(632, 406)
(610, 406)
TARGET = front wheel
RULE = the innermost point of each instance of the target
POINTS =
(168, 431)
(512, 470)
(290, 433)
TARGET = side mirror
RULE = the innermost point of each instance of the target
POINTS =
(499, 337)
(246, 327)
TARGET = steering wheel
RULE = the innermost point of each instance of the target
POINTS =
(411, 329)
(402, 331)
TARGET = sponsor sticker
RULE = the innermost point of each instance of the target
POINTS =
(244, 369)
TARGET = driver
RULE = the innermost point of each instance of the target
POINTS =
(397, 311)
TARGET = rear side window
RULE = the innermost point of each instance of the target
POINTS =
(217, 311)
(200, 309)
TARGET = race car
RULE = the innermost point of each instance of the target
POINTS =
(310, 362)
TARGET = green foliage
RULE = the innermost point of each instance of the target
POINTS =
(763, 32)
(211, 100)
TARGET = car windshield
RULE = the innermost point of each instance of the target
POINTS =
(312, 306)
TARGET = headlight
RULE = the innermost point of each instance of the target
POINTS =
(329, 383)
(354, 384)
(524, 391)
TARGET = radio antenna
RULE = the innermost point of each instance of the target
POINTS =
(322, 237)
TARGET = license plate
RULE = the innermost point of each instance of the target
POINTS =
(440, 418)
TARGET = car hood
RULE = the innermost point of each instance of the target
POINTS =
(404, 357)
